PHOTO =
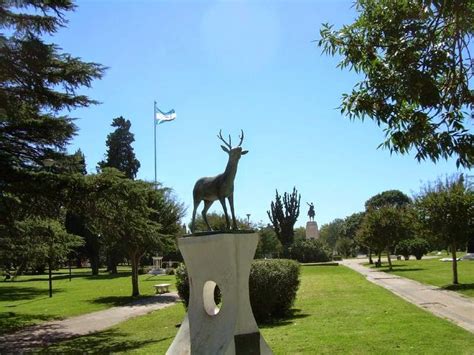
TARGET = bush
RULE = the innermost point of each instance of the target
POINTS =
(419, 247)
(182, 283)
(404, 248)
(272, 287)
(169, 271)
(309, 251)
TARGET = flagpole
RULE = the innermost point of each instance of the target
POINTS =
(154, 130)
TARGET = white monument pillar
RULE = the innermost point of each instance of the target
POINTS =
(312, 231)
(222, 259)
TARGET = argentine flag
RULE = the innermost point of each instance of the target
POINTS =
(162, 117)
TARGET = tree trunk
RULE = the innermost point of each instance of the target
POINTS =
(50, 278)
(370, 257)
(95, 265)
(380, 258)
(455, 264)
(135, 259)
(111, 263)
(389, 260)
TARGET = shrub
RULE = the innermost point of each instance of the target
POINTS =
(308, 251)
(182, 283)
(169, 271)
(272, 287)
(404, 248)
(419, 247)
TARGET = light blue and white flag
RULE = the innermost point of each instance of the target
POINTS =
(162, 117)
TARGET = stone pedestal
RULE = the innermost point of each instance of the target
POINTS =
(312, 231)
(224, 260)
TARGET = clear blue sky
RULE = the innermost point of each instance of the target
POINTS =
(233, 65)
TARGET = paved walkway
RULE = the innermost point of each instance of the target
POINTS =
(442, 303)
(47, 333)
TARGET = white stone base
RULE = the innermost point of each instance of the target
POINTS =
(222, 259)
(312, 231)
(468, 256)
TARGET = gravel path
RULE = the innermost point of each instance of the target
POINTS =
(442, 303)
(50, 332)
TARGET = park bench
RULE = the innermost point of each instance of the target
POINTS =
(161, 288)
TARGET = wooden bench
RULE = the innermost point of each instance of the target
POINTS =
(162, 288)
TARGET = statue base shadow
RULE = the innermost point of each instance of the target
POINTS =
(221, 259)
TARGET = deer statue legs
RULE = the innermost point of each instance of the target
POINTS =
(222, 200)
(207, 205)
(231, 204)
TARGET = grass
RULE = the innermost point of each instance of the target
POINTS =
(25, 301)
(436, 273)
(337, 311)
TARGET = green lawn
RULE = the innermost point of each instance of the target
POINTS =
(25, 301)
(337, 311)
(437, 273)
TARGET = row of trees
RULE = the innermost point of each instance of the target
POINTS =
(441, 216)
(50, 208)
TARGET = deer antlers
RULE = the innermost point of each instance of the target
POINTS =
(229, 144)
(241, 137)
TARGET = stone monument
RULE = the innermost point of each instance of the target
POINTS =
(312, 231)
(220, 259)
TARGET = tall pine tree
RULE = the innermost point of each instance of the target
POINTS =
(38, 84)
(120, 154)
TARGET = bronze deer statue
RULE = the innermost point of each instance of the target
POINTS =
(220, 187)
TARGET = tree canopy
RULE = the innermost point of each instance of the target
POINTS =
(416, 69)
(130, 214)
(394, 198)
(38, 83)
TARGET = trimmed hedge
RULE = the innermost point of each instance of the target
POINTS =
(273, 285)
(309, 251)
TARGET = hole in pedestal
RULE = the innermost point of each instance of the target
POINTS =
(211, 295)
